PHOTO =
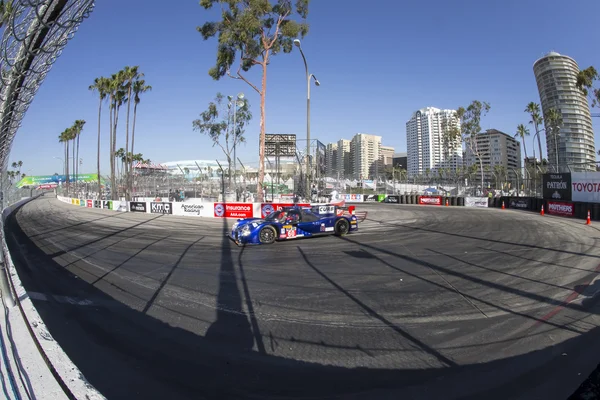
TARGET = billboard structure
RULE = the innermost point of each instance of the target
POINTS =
(47, 181)
(279, 145)
(321, 160)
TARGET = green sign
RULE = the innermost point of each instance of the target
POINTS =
(37, 180)
(381, 198)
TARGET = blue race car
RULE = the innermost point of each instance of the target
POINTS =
(294, 222)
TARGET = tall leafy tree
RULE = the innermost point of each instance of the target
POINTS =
(117, 99)
(451, 137)
(101, 86)
(585, 82)
(139, 87)
(215, 123)
(522, 132)
(533, 109)
(254, 31)
(6, 10)
(553, 122)
(470, 127)
(65, 137)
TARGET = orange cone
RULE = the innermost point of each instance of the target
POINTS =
(589, 220)
(503, 204)
(542, 213)
(447, 203)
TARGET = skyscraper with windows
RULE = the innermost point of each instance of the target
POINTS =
(556, 77)
(426, 149)
(366, 155)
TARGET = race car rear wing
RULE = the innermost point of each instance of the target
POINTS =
(323, 209)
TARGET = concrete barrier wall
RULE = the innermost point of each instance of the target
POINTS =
(54, 370)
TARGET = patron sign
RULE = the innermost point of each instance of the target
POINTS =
(557, 186)
(586, 187)
(565, 209)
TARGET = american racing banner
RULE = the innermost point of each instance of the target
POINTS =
(476, 202)
(566, 209)
(161, 208)
(430, 200)
(586, 187)
(557, 186)
(195, 210)
(137, 206)
(233, 210)
(268, 208)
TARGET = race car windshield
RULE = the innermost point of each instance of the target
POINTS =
(275, 216)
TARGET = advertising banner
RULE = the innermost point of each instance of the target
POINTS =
(64, 199)
(137, 206)
(233, 210)
(392, 199)
(268, 208)
(82, 202)
(585, 187)
(351, 198)
(190, 210)
(161, 207)
(97, 204)
(557, 186)
(565, 209)
(476, 202)
(90, 203)
(522, 204)
(107, 204)
(55, 179)
(371, 198)
(430, 200)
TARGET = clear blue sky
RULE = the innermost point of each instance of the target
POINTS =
(378, 62)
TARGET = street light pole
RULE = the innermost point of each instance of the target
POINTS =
(309, 76)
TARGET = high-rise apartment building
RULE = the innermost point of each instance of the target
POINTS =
(387, 156)
(425, 141)
(366, 154)
(495, 149)
(556, 77)
(344, 162)
(331, 159)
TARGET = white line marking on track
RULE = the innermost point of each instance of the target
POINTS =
(60, 299)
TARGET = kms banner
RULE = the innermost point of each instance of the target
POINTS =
(557, 186)
(586, 187)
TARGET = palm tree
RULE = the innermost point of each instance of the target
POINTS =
(117, 97)
(64, 138)
(77, 128)
(129, 75)
(522, 132)
(553, 122)
(139, 87)
(101, 85)
(536, 119)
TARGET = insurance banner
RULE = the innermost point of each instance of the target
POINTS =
(233, 210)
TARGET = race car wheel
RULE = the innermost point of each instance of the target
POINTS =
(267, 235)
(342, 227)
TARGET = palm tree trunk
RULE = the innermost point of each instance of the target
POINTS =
(539, 142)
(116, 123)
(77, 158)
(98, 153)
(111, 153)
(126, 166)
(67, 169)
(132, 143)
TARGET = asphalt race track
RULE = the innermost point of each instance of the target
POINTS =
(423, 302)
